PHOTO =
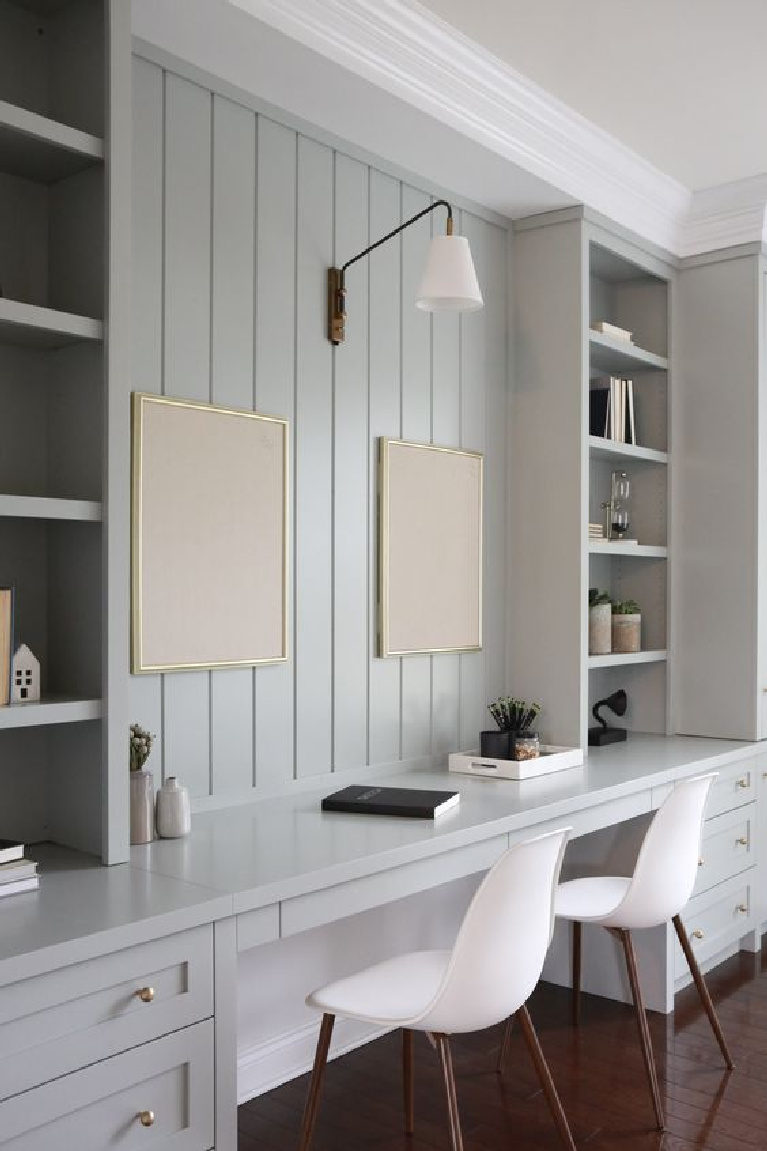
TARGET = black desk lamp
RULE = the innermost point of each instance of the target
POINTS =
(602, 735)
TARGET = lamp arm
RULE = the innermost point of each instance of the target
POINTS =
(597, 716)
(401, 228)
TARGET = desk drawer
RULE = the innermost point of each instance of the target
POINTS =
(56, 1023)
(717, 918)
(728, 847)
(734, 787)
(100, 1107)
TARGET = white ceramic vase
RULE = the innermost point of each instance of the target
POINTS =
(141, 807)
(600, 637)
(174, 813)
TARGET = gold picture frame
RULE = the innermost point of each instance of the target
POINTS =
(209, 536)
(429, 548)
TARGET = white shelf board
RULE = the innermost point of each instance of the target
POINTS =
(32, 326)
(602, 449)
(618, 659)
(630, 551)
(49, 508)
(50, 709)
(608, 356)
(37, 148)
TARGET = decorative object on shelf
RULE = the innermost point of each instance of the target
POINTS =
(6, 643)
(527, 745)
(550, 759)
(616, 510)
(496, 744)
(514, 718)
(174, 813)
(604, 734)
(25, 676)
(596, 531)
(210, 536)
(600, 617)
(449, 281)
(611, 410)
(613, 331)
(141, 786)
(626, 626)
(429, 549)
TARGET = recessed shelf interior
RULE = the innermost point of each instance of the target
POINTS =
(648, 503)
(626, 294)
(624, 454)
(645, 686)
(40, 149)
(618, 659)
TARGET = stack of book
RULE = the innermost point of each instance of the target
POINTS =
(613, 331)
(17, 874)
(596, 531)
(611, 410)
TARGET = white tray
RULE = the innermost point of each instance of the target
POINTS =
(551, 759)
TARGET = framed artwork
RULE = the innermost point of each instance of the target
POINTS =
(209, 536)
(430, 549)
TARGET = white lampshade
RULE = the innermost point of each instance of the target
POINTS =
(449, 281)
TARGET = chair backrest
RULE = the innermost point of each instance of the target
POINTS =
(499, 952)
(667, 866)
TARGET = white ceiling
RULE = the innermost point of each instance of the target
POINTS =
(682, 82)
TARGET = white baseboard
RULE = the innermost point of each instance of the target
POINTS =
(266, 1065)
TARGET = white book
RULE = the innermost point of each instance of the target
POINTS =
(632, 423)
(612, 330)
(19, 869)
(19, 886)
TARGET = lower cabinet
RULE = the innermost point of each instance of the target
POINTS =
(717, 919)
(158, 1096)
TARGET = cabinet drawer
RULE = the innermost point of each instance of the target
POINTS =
(734, 787)
(100, 1107)
(56, 1023)
(727, 848)
(717, 918)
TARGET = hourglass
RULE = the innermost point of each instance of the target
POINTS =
(617, 510)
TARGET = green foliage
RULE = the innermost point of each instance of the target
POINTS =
(597, 597)
(140, 746)
(513, 714)
(626, 607)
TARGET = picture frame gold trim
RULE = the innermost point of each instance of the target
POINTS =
(384, 650)
(138, 666)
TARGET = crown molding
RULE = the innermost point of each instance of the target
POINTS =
(726, 216)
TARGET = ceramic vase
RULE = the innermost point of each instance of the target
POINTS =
(174, 815)
(141, 807)
(599, 629)
(627, 633)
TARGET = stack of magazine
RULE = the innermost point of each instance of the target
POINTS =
(611, 410)
(17, 874)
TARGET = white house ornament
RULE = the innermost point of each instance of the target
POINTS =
(25, 676)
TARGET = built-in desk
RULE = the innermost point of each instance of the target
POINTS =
(178, 914)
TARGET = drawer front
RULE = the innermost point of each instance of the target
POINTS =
(101, 1107)
(56, 1023)
(735, 786)
(717, 918)
(727, 848)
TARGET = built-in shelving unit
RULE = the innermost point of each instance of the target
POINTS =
(49, 710)
(609, 356)
(42, 149)
(601, 449)
(628, 659)
(30, 326)
(628, 551)
(45, 508)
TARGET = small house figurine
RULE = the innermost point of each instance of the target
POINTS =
(25, 676)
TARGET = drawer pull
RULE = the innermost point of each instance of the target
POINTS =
(744, 782)
(146, 1118)
(145, 994)
(697, 933)
(742, 908)
(701, 862)
(742, 841)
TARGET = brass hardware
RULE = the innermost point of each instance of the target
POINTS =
(336, 306)
(145, 994)
(742, 841)
(744, 782)
(764, 775)
(701, 861)
(742, 908)
(146, 1118)
(697, 933)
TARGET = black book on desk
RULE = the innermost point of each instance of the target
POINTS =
(403, 801)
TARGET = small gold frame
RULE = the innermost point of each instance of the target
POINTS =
(384, 535)
(138, 666)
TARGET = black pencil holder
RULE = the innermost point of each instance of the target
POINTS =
(496, 744)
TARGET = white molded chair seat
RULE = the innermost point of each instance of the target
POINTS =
(395, 993)
(592, 899)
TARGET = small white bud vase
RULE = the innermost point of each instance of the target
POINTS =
(141, 807)
(174, 813)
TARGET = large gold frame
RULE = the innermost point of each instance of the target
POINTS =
(138, 400)
(384, 443)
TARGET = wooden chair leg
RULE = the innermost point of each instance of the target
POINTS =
(505, 1045)
(446, 1062)
(576, 973)
(315, 1084)
(703, 991)
(644, 1029)
(544, 1076)
(408, 1080)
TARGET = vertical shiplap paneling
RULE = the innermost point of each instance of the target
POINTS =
(384, 420)
(494, 257)
(145, 691)
(350, 476)
(314, 447)
(446, 431)
(187, 368)
(231, 362)
(275, 382)
(473, 437)
(416, 425)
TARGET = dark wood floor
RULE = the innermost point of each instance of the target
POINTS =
(598, 1072)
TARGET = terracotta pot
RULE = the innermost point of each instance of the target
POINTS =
(627, 633)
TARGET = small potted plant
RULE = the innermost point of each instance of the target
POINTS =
(600, 612)
(141, 786)
(627, 626)
(514, 718)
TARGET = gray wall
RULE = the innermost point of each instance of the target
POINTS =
(235, 220)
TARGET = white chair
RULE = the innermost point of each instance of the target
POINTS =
(489, 974)
(661, 886)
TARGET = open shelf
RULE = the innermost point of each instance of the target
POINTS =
(49, 508)
(49, 710)
(602, 449)
(38, 148)
(618, 659)
(628, 551)
(609, 356)
(28, 325)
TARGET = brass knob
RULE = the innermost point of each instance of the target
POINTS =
(742, 908)
(146, 1118)
(145, 994)
(744, 782)
(701, 862)
(697, 933)
(742, 840)
(764, 775)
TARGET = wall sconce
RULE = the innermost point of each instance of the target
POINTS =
(449, 282)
